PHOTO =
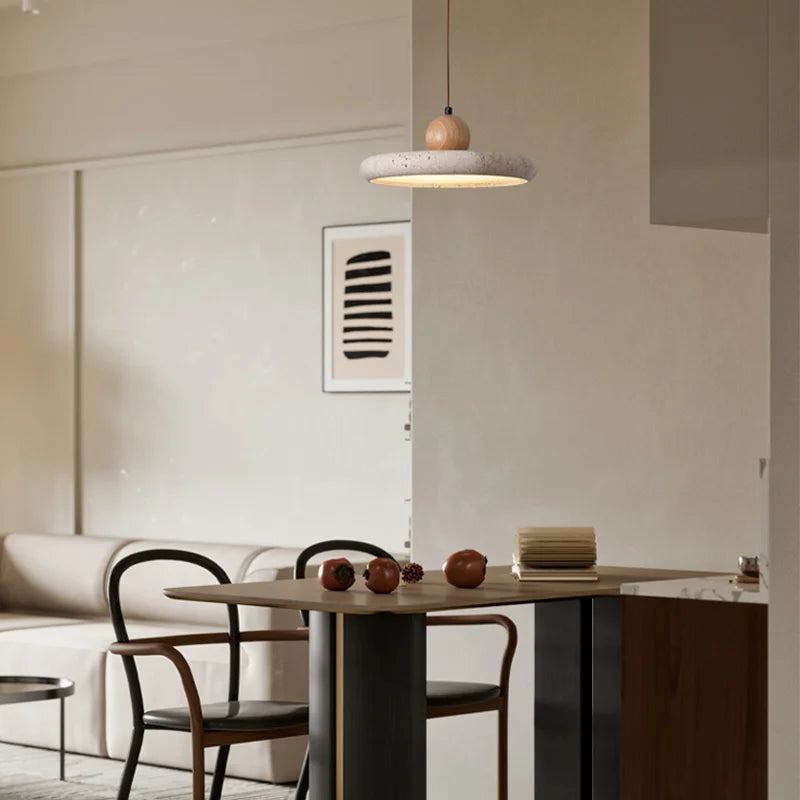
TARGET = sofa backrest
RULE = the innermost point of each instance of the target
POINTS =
(48, 572)
(67, 575)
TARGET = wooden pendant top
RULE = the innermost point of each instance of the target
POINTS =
(447, 132)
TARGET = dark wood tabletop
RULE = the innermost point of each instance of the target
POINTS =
(432, 594)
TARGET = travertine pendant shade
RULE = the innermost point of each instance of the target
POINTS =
(448, 169)
(447, 164)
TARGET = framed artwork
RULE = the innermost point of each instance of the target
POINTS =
(367, 307)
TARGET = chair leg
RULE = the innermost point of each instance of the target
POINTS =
(198, 767)
(302, 784)
(131, 763)
(502, 753)
(219, 772)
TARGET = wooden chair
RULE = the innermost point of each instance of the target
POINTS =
(212, 725)
(445, 698)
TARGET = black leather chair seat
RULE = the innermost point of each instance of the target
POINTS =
(256, 715)
(453, 693)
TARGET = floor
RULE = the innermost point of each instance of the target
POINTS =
(30, 773)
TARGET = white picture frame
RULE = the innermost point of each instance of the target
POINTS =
(367, 307)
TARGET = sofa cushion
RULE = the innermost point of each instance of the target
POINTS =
(273, 563)
(65, 575)
(75, 651)
(141, 589)
(16, 620)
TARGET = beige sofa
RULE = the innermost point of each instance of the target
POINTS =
(54, 621)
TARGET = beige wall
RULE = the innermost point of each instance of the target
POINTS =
(573, 364)
(36, 353)
(91, 78)
(213, 140)
(204, 415)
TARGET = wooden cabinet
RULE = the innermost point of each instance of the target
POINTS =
(693, 714)
(650, 698)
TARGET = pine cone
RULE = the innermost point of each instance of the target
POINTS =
(412, 573)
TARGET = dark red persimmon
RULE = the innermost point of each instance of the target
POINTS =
(382, 575)
(336, 574)
(465, 568)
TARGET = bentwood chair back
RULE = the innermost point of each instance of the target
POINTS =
(335, 546)
(211, 725)
(444, 698)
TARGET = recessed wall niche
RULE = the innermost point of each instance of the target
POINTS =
(708, 114)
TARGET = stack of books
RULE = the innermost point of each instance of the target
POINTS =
(555, 554)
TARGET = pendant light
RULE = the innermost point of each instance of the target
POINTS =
(447, 163)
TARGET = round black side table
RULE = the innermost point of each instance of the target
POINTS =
(26, 689)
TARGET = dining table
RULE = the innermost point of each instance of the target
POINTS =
(367, 676)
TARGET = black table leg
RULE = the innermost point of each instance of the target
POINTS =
(322, 705)
(367, 698)
(61, 748)
(577, 699)
(606, 696)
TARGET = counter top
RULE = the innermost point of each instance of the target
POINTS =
(716, 587)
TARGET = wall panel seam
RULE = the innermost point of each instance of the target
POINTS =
(77, 232)
(210, 151)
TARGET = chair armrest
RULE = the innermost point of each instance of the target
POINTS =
(160, 648)
(276, 635)
(180, 640)
(486, 619)
(186, 639)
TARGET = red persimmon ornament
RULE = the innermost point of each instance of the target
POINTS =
(382, 575)
(465, 568)
(336, 574)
